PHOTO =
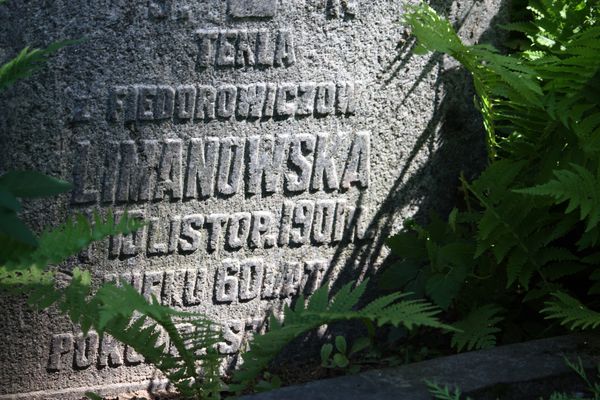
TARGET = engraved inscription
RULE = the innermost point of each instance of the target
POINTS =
(201, 103)
(252, 8)
(316, 222)
(342, 8)
(174, 170)
(235, 48)
(245, 280)
(81, 352)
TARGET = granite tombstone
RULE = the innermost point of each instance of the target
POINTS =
(270, 145)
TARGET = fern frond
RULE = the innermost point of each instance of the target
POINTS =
(478, 329)
(389, 309)
(26, 62)
(57, 244)
(577, 186)
(443, 392)
(571, 312)
(119, 311)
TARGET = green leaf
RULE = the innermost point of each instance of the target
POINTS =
(32, 184)
(340, 344)
(478, 329)
(340, 360)
(443, 288)
(13, 227)
(571, 312)
(93, 396)
(326, 351)
(360, 344)
(26, 62)
(9, 201)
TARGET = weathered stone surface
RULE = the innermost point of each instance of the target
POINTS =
(471, 372)
(270, 145)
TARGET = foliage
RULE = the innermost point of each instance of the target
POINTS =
(26, 62)
(571, 312)
(341, 358)
(529, 225)
(393, 309)
(443, 392)
(24, 185)
(577, 367)
(119, 311)
(477, 330)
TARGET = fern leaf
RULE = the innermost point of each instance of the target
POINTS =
(443, 392)
(577, 186)
(72, 237)
(478, 329)
(571, 312)
(26, 62)
(391, 309)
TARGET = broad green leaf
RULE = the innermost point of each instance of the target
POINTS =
(32, 184)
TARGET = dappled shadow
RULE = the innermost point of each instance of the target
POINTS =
(454, 137)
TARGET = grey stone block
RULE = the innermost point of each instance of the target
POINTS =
(270, 145)
(474, 371)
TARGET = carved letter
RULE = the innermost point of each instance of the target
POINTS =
(324, 165)
(286, 99)
(238, 230)
(216, 221)
(155, 246)
(172, 291)
(194, 284)
(146, 97)
(325, 98)
(251, 99)
(190, 235)
(206, 103)
(226, 286)
(303, 218)
(136, 172)
(86, 349)
(244, 55)
(123, 104)
(59, 346)
(345, 103)
(286, 223)
(231, 163)
(306, 98)
(358, 164)
(111, 172)
(164, 104)
(251, 280)
(323, 222)
(206, 44)
(260, 235)
(264, 49)
(169, 171)
(233, 334)
(226, 98)
(81, 194)
(284, 49)
(110, 352)
(152, 285)
(301, 146)
(266, 158)
(201, 168)
(226, 52)
(186, 101)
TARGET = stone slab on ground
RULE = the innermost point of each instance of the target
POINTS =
(470, 372)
